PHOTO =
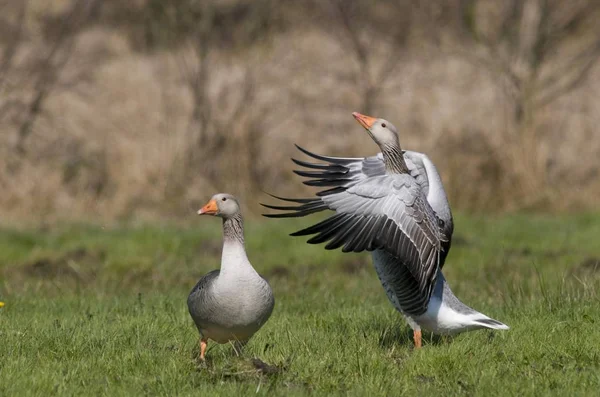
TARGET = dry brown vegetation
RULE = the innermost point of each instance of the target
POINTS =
(112, 110)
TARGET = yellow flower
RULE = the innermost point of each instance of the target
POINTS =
(1, 304)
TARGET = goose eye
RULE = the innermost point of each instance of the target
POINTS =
(383, 125)
(224, 199)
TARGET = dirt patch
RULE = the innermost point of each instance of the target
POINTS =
(80, 264)
(555, 253)
(460, 241)
(528, 251)
(592, 264)
(354, 265)
(267, 369)
(278, 272)
(523, 251)
(425, 379)
(211, 248)
(589, 266)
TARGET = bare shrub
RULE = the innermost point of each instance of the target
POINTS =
(356, 25)
(538, 51)
(115, 110)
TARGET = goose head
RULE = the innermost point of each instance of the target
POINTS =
(382, 131)
(222, 204)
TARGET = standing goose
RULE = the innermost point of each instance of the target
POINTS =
(232, 303)
(394, 205)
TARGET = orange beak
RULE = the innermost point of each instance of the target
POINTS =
(209, 208)
(365, 121)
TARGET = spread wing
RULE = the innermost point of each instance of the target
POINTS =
(346, 170)
(372, 211)
(341, 172)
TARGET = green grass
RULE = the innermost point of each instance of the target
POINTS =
(102, 311)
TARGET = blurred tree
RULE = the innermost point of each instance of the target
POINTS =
(157, 24)
(226, 115)
(26, 83)
(12, 37)
(376, 36)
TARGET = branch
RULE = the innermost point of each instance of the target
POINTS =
(342, 13)
(493, 59)
(507, 30)
(51, 65)
(13, 43)
(400, 38)
(493, 64)
(571, 20)
(573, 80)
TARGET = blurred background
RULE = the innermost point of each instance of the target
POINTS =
(119, 119)
(143, 109)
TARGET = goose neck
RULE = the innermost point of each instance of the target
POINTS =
(233, 259)
(233, 229)
(393, 159)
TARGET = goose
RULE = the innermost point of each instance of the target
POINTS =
(233, 303)
(392, 204)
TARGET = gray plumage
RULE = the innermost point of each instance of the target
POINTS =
(376, 211)
(233, 318)
(394, 205)
(232, 303)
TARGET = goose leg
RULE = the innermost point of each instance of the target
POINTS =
(417, 338)
(203, 344)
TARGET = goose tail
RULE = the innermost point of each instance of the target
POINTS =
(485, 322)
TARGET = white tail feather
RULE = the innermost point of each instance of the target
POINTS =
(486, 322)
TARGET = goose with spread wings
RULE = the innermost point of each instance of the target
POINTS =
(392, 204)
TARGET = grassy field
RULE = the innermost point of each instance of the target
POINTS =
(102, 311)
